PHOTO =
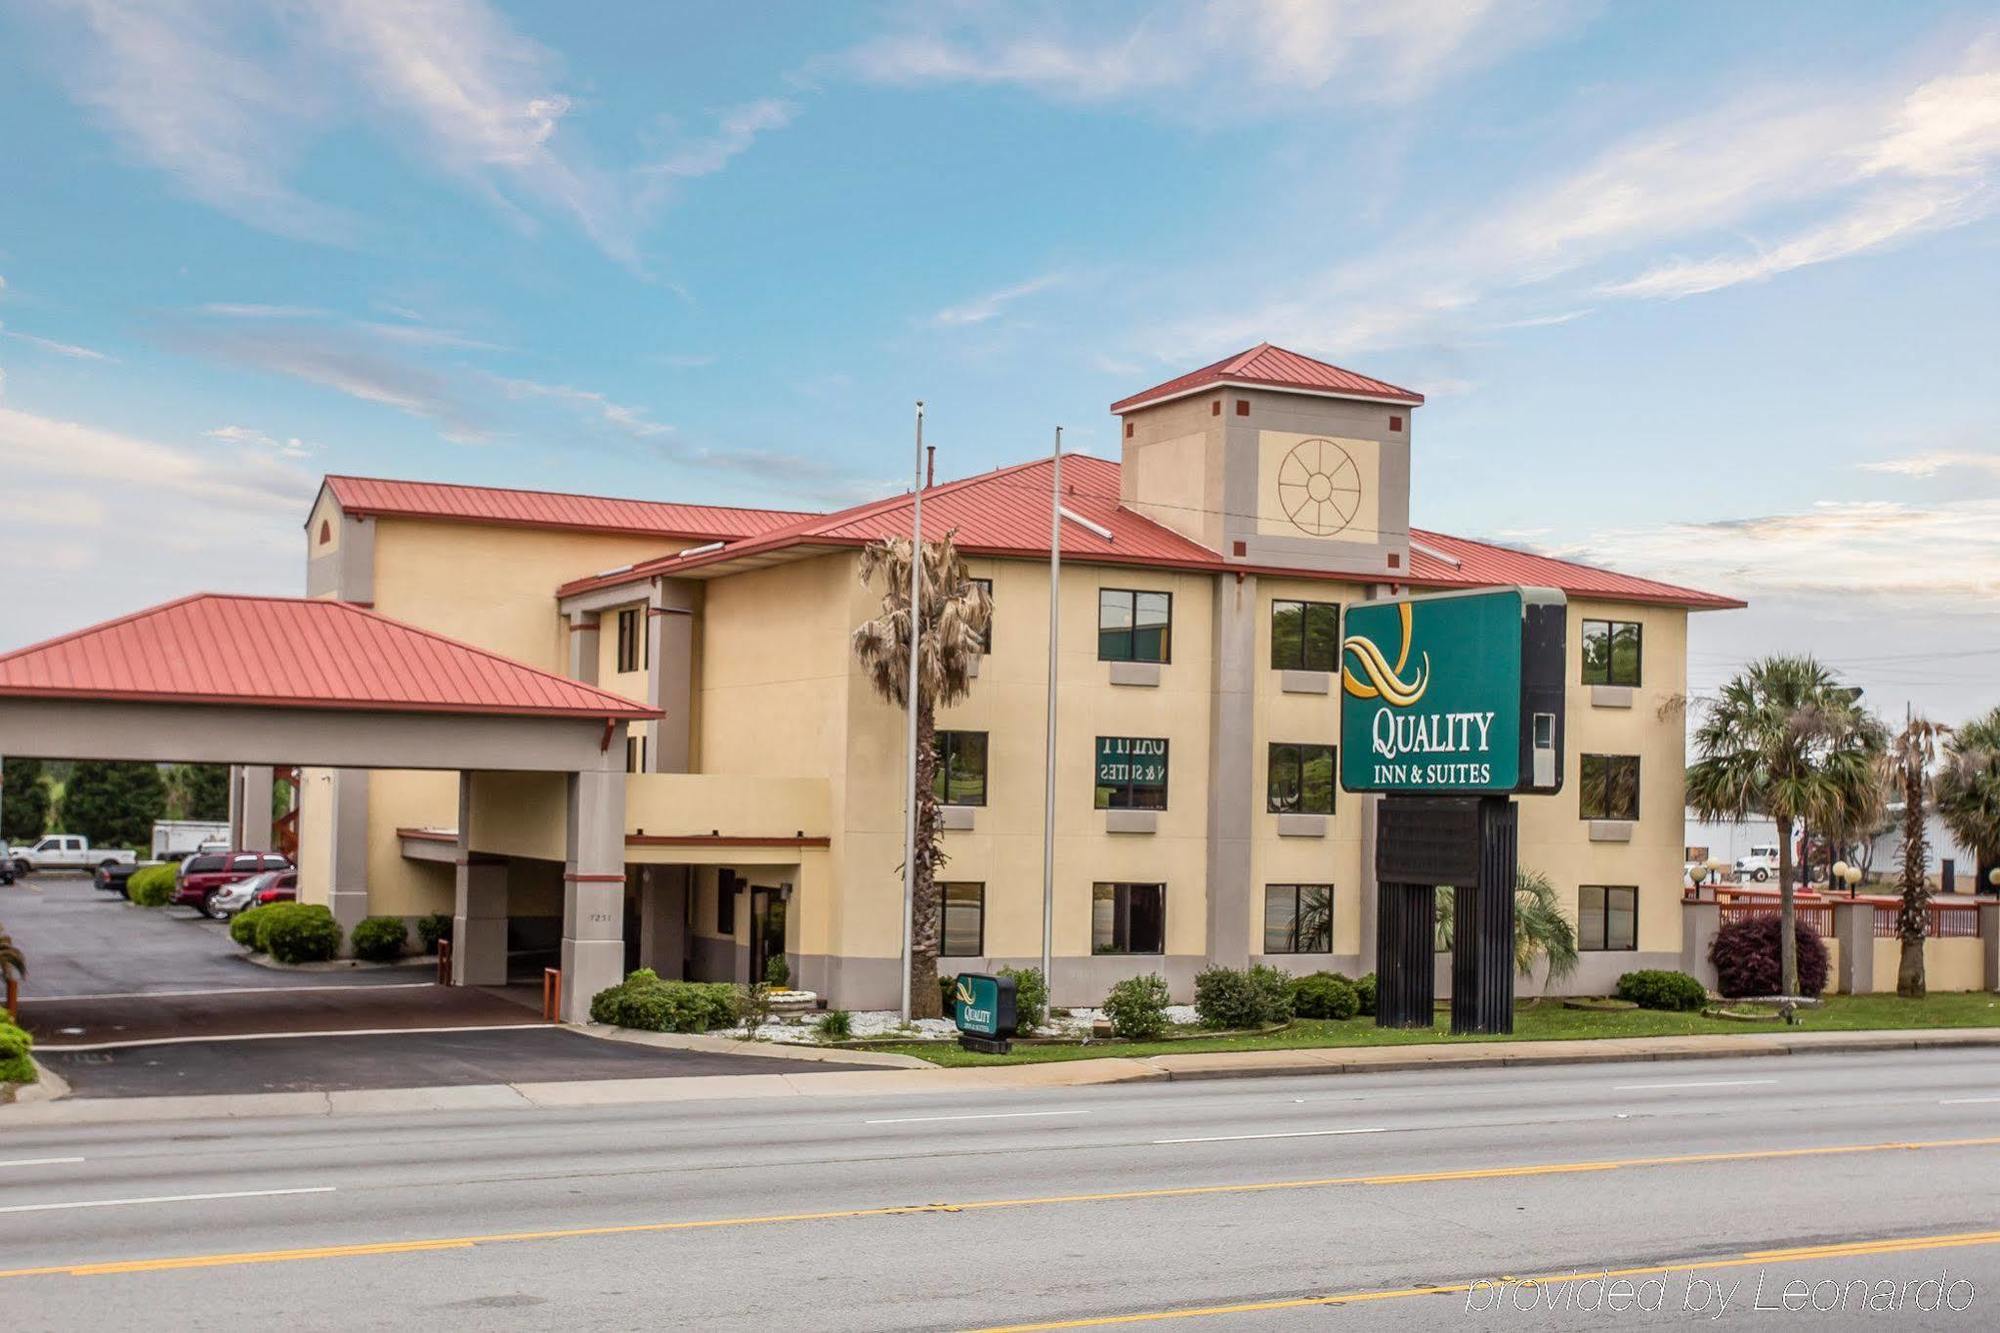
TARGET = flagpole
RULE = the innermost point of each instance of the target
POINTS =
(1049, 744)
(910, 699)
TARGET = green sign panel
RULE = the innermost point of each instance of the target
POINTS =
(1137, 760)
(1455, 693)
(983, 1005)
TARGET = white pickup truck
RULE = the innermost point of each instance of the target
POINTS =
(65, 851)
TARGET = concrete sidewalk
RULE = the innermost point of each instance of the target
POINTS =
(571, 1095)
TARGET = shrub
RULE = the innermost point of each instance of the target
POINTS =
(151, 886)
(646, 1002)
(298, 932)
(1364, 991)
(1137, 1007)
(778, 973)
(432, 928)
(1745, 954)
(1324, 995)
(835, 1025)
(1656, 988)
(381, 939)
(1254, 997)
(1031, 997)
(243, 927)
(947, 989)
(15, 1066)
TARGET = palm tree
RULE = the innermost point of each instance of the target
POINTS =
(1910, 761)
(1541, 931)
(952, 618)
(1968, 790)
(1784, 739)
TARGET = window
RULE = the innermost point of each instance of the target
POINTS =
(632, 650)
(1607, 917)
(1128, 918)
(1298, 918)
(1134, 626)
(961, 768)
(276, 861)
(203, 865)
(1610, 786)
(725, 903)
(962, 932)
(635, 754)
(986, 585)
(240, 864)
(1305, 636)
(1610, 652)
(1301, 779)
(1131, 773)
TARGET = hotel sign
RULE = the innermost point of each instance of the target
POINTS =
(984, 1006)
(1456, 693)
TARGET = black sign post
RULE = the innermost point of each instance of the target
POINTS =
(1467, 844)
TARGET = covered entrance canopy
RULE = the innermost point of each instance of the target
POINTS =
(265, 681)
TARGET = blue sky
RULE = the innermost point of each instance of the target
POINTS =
(1703, 291)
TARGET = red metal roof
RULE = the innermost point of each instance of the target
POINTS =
(1265, 366)
(293, 653)
(1006, 513)
(552, 509)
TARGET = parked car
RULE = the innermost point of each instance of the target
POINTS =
(177, 838)
(269, 886)
(202, 875)
(66, 851)
(7, 868)
(113, 878)
(1760, 864)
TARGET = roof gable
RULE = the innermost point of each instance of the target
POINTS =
(1269, 367)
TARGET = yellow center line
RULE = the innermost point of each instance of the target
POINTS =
(1886, 1245)
(906, 1210)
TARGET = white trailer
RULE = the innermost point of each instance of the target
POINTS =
(176, 838)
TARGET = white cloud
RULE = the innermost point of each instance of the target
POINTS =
(289, 447)
(736, 130)
(983, 308)
(631, 421)
(1935, 462)
(245, 310)
(71, 350)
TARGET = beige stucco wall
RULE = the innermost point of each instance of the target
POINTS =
(1955, 964)
(406, 799)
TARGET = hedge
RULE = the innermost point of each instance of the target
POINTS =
(1031, 998)
(1137, 1007)
(1364, 990)
(1656, 988)
(297, 932)
(1253, 997)
(151, 886)
(432, 928)
(1745, 954)
(1324, 995)
(244, 925)
(646, 1002)
(15, 1066)
(380, 939)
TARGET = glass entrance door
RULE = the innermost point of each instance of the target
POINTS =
(767, 930)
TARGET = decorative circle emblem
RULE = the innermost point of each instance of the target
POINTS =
(1319, 487)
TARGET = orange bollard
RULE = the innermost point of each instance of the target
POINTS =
(444, 962)
(552, 994)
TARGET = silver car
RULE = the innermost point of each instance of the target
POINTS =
(233, 898)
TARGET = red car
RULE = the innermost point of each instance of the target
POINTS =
(204, 873)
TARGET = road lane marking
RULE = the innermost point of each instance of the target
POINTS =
(1887, 1245)
(1288, 1134)
(160, 1198)
(229, 990)
(983, 1115)
(41, 1161)
(53, 1048)
(227, 1259)
(1967, 1101)
(1695, 1083)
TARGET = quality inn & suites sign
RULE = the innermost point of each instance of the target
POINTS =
(1460, 693)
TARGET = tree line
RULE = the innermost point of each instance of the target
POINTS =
(113, 803)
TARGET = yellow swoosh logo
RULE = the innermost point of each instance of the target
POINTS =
(1385, 680)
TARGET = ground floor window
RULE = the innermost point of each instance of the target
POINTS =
(962, 933)
(1298, 918)
(1607, 917)
(1128, 918)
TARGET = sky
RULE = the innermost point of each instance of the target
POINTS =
(1701, 291)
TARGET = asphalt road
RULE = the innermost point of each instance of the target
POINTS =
(1246, 1202)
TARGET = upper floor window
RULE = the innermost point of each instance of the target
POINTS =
(961, 768)
(1611, 652)
(986, 586)
(1607, 917)
(962, 929)
(1301, 779)
(1609, 786)
(1131, 773)
(632, 650)
(1134, 626)
(635, 754)
(1305, 636)
(1298, 918)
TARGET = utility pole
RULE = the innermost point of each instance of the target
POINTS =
(910, 699)
(1049, 744)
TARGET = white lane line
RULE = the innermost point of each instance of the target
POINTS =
(1293, 1134)
(161, 1198)
(41, 1161)
(533, 1025)
(1694, 1083)
(230, 990)
(987, 1115)
(1949, 1101)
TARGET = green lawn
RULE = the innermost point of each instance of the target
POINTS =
(1547, 1021)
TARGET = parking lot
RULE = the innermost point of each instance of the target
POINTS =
(127, 1001)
